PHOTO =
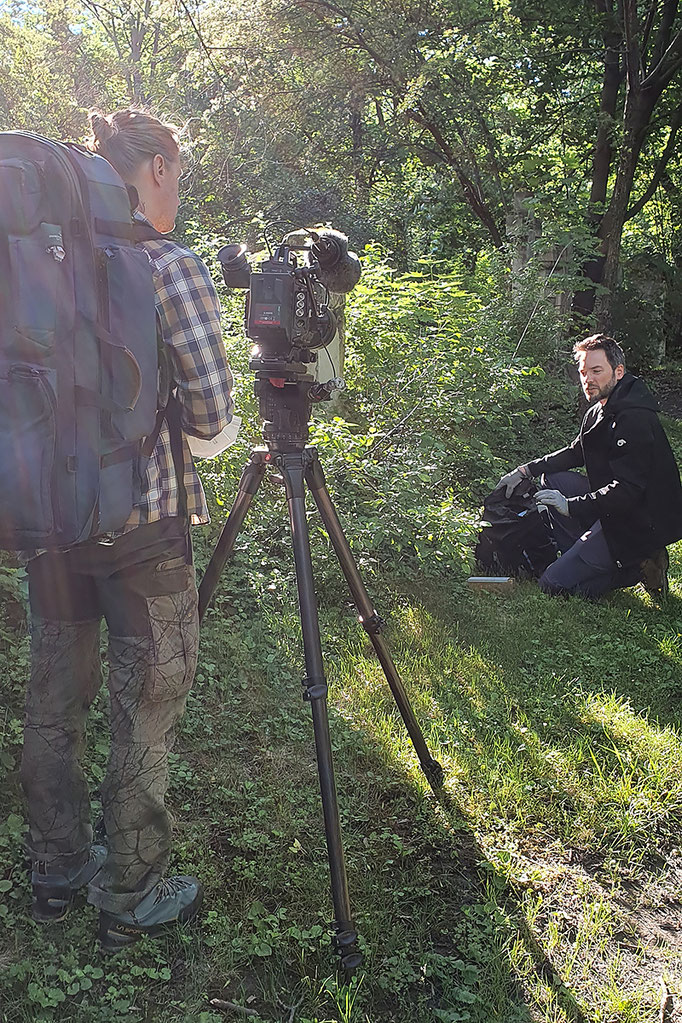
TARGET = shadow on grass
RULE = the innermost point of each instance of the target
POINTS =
(430, 869)
(439, 922)
(447, 937)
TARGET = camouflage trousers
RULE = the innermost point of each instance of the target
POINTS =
(143, 585)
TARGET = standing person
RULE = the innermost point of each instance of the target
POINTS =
(613, 525)
(142, 583)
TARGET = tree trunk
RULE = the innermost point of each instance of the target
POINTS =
(652, 58)
(638, 109)
(583, 301)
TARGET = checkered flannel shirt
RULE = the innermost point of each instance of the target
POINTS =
(189, 310)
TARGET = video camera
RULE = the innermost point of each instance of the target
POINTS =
(287, 310)
(288, 317)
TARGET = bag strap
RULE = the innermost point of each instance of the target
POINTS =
(173, 413)
(146, 233)
(170, 414)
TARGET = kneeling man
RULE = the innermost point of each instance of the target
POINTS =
(613, 525)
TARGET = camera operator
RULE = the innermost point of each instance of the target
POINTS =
(142, 583)
(613, 525)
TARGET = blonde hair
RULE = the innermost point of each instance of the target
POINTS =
(127, 138)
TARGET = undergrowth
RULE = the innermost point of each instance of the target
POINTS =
(540, 885)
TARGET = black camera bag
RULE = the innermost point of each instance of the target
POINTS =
(515, 536)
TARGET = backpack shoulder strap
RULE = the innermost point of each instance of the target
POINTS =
(147, 233)
(170, 411)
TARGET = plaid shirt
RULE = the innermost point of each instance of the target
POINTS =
(189, 310)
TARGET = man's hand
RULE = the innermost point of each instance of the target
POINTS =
(512, 480)
(553, 499)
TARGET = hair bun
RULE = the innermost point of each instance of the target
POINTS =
(102, 128)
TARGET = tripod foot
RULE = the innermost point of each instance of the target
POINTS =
(434, 773)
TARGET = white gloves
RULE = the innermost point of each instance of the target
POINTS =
(512, 479)
(553, 499)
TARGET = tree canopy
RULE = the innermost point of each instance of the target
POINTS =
(434, 128)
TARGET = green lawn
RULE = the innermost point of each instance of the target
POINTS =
(544, 885)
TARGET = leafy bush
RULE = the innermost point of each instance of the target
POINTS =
(438, 405)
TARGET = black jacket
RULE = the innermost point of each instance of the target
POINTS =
(634, 479)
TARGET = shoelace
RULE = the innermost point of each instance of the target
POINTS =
(169, 886)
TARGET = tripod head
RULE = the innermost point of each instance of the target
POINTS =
(287, 316)
(284, 403)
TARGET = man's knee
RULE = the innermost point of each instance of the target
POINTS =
(552, 582)
(568, 575)
(578, 580)
(567, 482)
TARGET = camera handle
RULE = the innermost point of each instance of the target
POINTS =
(298, 468)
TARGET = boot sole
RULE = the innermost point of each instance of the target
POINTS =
(48, 910)
(48, 917)
(116, 937)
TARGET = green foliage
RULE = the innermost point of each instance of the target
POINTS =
(512, 898)
(437, 406)
(639, 313)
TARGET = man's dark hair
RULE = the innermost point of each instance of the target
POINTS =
(597, 342)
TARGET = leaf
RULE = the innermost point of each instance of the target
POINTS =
(14, 825)
(463, 995)
(257, 911)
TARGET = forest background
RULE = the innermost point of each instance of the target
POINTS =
(509, 173)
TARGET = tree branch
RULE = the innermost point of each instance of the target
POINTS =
(667, 67)
(646, 30)
(202, 42)
(471, 193)
(664, 30)
(632, 51)
(660, 167)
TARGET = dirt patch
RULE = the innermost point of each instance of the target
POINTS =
(667, 386)
(654, 910)
(663, 923)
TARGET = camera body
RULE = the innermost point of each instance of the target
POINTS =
(288, 303)
(288, 306)
(287, 317)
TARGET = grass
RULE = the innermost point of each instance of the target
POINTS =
(544, 885)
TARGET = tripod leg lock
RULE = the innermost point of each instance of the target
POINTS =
(374, 624)
(314, 689)
(344, 942)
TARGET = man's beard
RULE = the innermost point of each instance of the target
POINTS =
(604, 391)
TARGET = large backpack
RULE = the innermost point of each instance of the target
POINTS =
(515, 538)
(78, 346)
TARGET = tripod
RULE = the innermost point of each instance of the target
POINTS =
(284, 396)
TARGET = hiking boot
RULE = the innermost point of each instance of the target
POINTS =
(654, 574)
(173, 900)
(54, 893)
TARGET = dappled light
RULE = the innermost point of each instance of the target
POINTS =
(509, 176)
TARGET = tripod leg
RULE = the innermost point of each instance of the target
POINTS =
(370, 620)
(251, 479)
(315, 691)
